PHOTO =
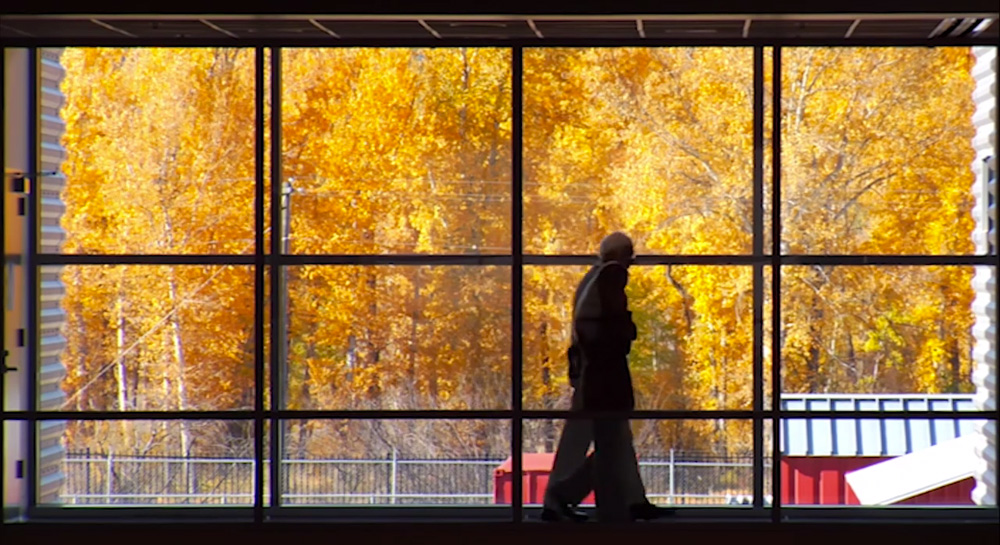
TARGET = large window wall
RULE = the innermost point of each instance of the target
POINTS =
(359, 263)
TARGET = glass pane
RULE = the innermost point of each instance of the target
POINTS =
(398, 337)
(159, 150)
(877, 150)
(155, 462)
(681, 462)
(150, 337)
(654, 141)
(695, 336)
(881, 329)
(397, 150)
(393, 462)
(879, 461)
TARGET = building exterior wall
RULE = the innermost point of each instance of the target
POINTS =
(48, 189)
(15, 383)
(51, 316)
(984, 281)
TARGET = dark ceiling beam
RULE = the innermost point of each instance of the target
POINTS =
(112, 28)
(497, 7)
(506, 17)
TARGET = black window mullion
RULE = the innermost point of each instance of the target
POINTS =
(758, 277)
(277, 271)
(517, 278)
(776, 284)
(258, 294)
(31, 301)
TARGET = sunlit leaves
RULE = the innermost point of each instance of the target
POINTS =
(409, 151)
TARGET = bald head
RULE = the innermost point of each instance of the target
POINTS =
(616, 247)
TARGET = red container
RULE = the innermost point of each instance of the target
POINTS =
(820, 480)
(536, 468)
(805, 480)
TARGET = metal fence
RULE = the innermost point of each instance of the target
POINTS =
(103, 479)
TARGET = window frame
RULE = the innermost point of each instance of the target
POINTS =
(272, 257)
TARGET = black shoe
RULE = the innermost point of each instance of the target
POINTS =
(649, 511)
(565, 511)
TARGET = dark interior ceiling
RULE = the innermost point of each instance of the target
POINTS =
(246, 28)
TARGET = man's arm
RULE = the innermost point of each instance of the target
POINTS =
(607, 384)
(619, 327)
(613, 331)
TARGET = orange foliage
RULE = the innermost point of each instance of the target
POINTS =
(409, 151)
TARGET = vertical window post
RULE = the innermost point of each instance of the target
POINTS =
(31, 302)
(278, 334)
(259, 267)
(758, 277)
(776, 283)
(517, 278)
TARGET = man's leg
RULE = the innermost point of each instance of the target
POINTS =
(639, 505)
(640, 508)
(634, 487)
(565, 479)
(613, 482)
(571, 453)
(572, 476)
(575, 487)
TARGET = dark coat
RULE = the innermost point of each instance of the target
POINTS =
(599, 357)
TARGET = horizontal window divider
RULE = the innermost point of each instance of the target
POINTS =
(646, 259)
(146, 259)
(390, 259)
(130, 415)
(221, 513)
(888, 260)
(888, 414)
(249, 414)
(802, 259)
(389, 414)
(935, 514)
(874, 518)
(498, 414)
(502, 259)
(641, 414)
(768, 414)
(330, 42)
(311, 513)
(339, 513)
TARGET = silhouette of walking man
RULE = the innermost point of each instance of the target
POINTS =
(603, 332)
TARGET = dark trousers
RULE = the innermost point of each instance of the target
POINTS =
(611, 470)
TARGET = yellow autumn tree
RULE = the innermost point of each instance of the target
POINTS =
(397, 151)
(876, 154)
(160, 161)
(408, 151)
(658, 142)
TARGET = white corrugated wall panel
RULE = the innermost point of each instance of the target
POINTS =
(984, 281)
(50, 367)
